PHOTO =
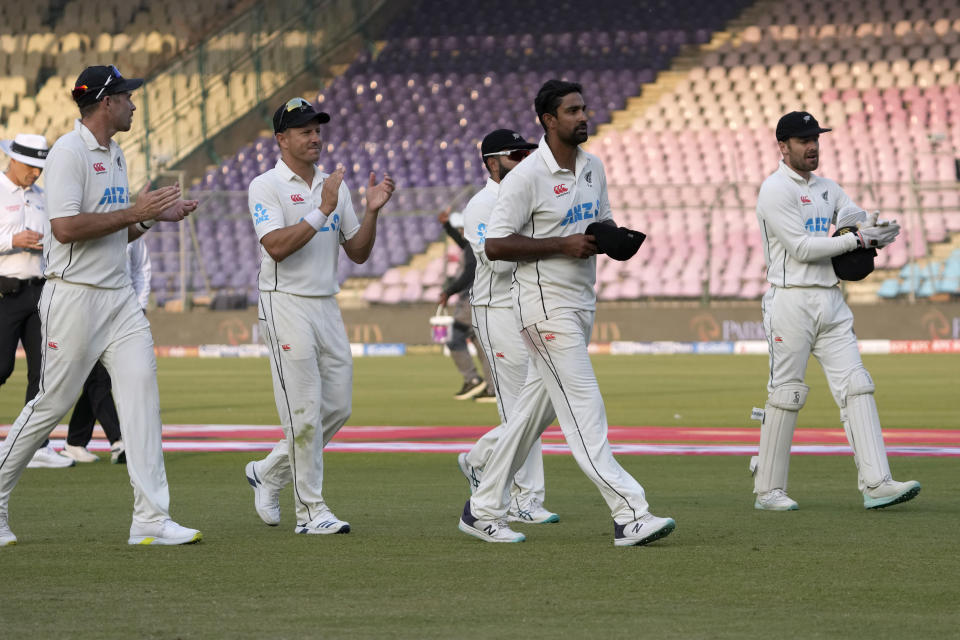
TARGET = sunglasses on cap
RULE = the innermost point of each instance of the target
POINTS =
(516, 155)
(82, 89)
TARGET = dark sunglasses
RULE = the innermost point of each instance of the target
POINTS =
(516, 155)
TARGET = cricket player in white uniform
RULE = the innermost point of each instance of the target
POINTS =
(544, 206)
(804, 313)
(302, 217)
(496, 329)
(88, 309)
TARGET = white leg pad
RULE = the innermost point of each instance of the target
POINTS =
(861, 422)
(776, 434)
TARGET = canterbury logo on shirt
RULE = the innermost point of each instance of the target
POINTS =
(99, 167)
(296, 198)
(582, 211)
(560, 189)
(114, 195)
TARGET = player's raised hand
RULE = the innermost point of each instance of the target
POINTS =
(379, 194)
(579, 245)
(330, 192)
(150, 204)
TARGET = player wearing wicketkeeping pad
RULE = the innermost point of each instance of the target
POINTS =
(544, 207)
(804, 313)
(302, 217)
(496, 329)
(88, 308)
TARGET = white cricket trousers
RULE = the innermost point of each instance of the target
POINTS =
(558, 348)
(313, 385)
(81, 325)
(496, 329)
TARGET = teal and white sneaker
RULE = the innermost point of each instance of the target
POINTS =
(165, 532)
(487, 530)
(323, 524)
(6, 535)
(529, 509)
(473, 474)
(643, 530)
(775, 500)
(890, 493)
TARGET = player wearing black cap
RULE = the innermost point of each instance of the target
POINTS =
(88, 309)
(804, 313)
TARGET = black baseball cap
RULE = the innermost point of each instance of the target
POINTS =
(798, 124)
(297, 112)
(620, 243)
(504, 140)
(95, 83)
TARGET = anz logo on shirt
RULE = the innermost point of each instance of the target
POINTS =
(114, 195)
(260, 214)
(482, 232)
(814, 225)
(584, 211)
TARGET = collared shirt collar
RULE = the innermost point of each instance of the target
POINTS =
(551, 162)
(87, 136)
(796, 177)
(8, 183)
(288, 174)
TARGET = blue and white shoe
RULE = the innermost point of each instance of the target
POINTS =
(643, 530)
(890, 493)
(473, 474)
(265, 500)
(487, 530)
(323, 524)
(530, 510)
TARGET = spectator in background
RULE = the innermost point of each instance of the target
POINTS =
(473, 385)
(23, 225)
(96, 401)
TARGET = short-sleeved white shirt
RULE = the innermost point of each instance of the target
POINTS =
(280, 198)
(795, 217)
(84, 177)
(20, 209)
(491, 282)
(538, 199)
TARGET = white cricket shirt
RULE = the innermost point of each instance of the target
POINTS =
(280, 198)
(84, 177)
(795, 216)
(538, 199)
(491, 282)
(20, 209)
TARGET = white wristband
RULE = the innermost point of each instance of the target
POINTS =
(146, 224)
(315, 219)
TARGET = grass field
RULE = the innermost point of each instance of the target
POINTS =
(830, 570)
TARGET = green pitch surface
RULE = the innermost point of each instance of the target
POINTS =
(829, 570)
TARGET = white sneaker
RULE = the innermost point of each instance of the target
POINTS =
(890, 493)
(6, 535)
(487, 530)
(118, 454)
(166, 532)
(49, 458)
(265, 500)
(530, 509)
(643, 530)
(473, 474)
(80, 454)
(775, 500)
(323, 524)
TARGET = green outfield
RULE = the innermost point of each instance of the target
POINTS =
(830, 570)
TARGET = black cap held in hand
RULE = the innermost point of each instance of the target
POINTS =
(619, 243)
(853, 265)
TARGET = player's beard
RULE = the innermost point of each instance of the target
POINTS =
(504, 169)
(577, 136)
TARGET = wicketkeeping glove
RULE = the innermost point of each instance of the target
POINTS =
(877, 237)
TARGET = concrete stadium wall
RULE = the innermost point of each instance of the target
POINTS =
(636, 322)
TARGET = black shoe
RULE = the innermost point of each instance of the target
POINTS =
(486, 397)
(472, 388)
